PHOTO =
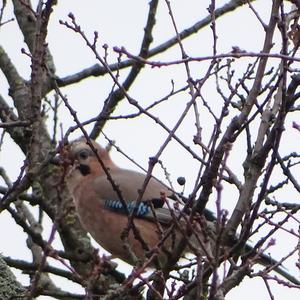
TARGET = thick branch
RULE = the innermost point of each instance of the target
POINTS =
(114, 98)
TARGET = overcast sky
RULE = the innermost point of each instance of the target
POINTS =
(121, 23)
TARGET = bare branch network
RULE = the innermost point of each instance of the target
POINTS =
(215, 130)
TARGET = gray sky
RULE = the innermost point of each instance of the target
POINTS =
(121, 23)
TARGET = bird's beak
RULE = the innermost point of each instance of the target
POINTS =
(56, 160)
(64, 157)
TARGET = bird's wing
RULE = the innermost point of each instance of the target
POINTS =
(129, 183)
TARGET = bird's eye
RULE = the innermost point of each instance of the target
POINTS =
(83, 154)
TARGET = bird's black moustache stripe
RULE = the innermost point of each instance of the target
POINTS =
(84, 169)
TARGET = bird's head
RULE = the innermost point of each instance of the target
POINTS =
(85, 161)
(86, 157)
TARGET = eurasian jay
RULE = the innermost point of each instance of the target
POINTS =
(97, 188)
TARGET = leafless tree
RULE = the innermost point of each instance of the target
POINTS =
(242, 122)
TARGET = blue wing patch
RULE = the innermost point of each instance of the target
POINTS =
(116, 205)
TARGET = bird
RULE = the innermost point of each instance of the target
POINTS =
(105, 195)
